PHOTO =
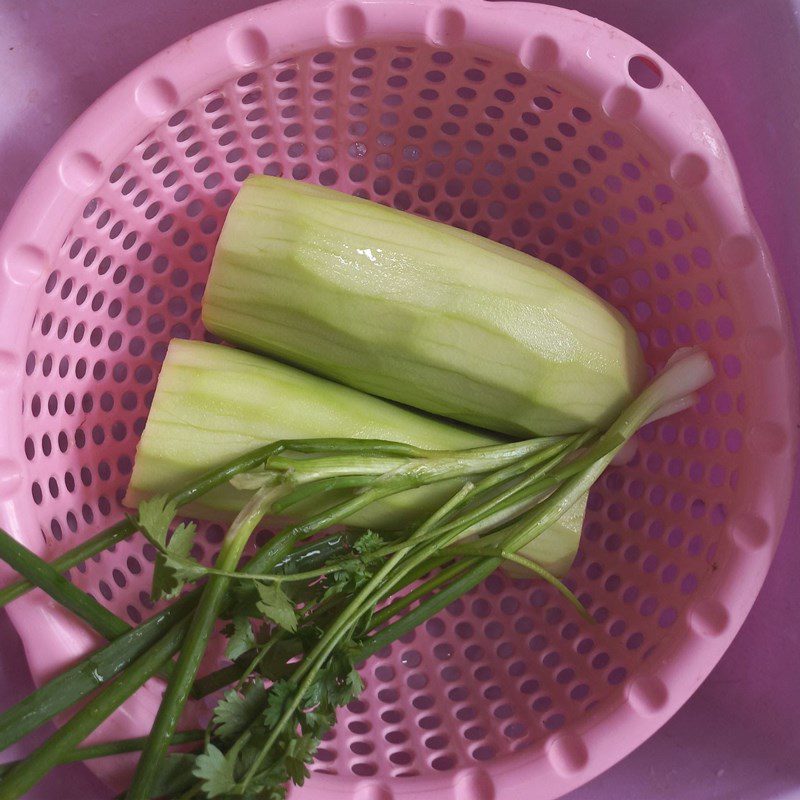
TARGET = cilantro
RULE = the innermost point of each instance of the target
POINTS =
(215, 771)
(349, 575)
(173, 567)
(279, 695)
(240, 637)
(299, 752)
(305, 630)
(182, 539)
(343, 688)
(268, 784)
(347, 578)
(369, 542)
(154, 518)
(337, 683)
(236, 711)
(317, 722)
(276, 606)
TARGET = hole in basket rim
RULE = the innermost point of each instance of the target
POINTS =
(645, 72)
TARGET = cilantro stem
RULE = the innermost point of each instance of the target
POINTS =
(548, 576)
(443, 576)
(477, 549)
(476, 570)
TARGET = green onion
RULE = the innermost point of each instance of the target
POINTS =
(30, 771)
(115, 748)
(38, 571)
(76, 683)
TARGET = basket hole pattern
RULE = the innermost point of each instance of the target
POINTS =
(485, 145)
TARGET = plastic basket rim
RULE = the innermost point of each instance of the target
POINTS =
(159, 87)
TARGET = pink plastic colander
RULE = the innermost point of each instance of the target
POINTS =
(540, 128)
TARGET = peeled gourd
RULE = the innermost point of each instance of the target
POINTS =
(418, 312)
(213, 403)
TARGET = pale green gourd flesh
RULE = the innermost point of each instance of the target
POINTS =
(418, 312)
(213, 403)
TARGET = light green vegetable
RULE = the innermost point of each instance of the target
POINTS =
(213, 403)
(418, 312)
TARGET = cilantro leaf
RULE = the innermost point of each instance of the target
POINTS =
(236, 712)
(276, 606)
(242, 600)
(344, 688)
(317, 722)
(154, 518)
(354, 685)
(348, 577)
(173, 567)
(182, 539)
(369, 542)
(215, 771)
(241, 637)
(299, 752)
(337, 682)
(278, 697)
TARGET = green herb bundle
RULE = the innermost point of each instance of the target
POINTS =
(309, 605)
